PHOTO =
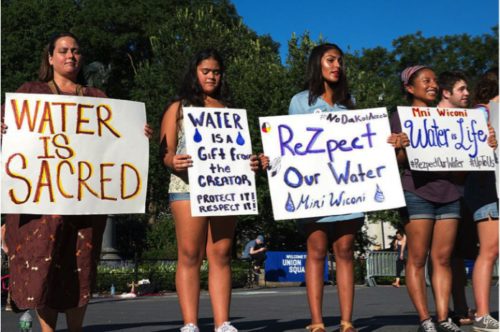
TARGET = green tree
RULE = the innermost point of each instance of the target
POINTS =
(26, 26)
(254, 74)
(139, 50)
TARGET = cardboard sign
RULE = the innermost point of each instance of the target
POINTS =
(221, 181)
(446, 139)
(72, 155)
(335, 163)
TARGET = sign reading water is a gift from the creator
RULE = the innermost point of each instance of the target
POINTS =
(446, 139)
(335, 163)
(73, 155)
(221, 181)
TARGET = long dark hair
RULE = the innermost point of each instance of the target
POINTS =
(487, 87)
(191, 91)
(315, 80)
(46, 71)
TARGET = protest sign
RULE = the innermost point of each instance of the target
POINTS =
(335, 163)
(221, 181)
(446, 139)
(71, 155)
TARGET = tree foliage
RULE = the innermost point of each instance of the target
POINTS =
(139, 50)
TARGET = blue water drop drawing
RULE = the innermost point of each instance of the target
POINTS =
(240, 140)
(379, 195)
(197, 136)
(289, 206)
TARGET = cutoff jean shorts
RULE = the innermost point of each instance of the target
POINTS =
(178, 197)
(486, 211)
(420, 208)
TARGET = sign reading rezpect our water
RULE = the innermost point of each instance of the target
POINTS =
(331, 163)
(221, 180)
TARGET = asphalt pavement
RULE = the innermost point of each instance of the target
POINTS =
(382, 308)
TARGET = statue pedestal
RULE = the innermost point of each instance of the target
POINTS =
(108, 251)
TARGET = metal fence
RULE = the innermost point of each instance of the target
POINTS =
(383, 264)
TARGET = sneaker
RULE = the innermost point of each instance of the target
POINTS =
(447, 326)
(485, 324)
(190, 328)
(427, 326)
(226, 327)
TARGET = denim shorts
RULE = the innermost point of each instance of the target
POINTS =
(330, 226)
(420, 208)
(488, 210)
(178, 197)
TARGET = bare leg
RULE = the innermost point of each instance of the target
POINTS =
(343, 248)
(47, 318)
(219, 244)
(317, 244)
(191, 233)
(445, 232)
(483, 268)
(74, 318)
(418, 234)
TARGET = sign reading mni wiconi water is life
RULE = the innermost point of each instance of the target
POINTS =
(335, 163)
(221, 181)
(446, 139)
(73, 155)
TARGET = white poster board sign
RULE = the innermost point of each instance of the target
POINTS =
(221, 181)
(446, 139)
(335, 163)
(71, 155)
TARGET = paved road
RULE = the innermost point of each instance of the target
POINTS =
(382, 308)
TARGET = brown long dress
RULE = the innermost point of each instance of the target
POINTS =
(53, 259)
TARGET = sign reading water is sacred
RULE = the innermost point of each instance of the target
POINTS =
(446, 139)
(221, 181)
(335, 163)
(73, 155)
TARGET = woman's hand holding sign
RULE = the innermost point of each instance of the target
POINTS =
(181, 162)
(492, 138)
(399, 141)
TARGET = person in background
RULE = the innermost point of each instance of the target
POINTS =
(431, 215)
(327, 91)
(454, 91)
(53, 258)
(481, 198)
(203, 86)
(399, 247)
(256, 251)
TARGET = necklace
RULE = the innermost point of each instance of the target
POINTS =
(59, 91)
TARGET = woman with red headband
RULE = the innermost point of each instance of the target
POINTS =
(431, 215)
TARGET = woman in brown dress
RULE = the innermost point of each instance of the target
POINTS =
(53, 258)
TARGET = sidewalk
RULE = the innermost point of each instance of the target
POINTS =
(382, 308)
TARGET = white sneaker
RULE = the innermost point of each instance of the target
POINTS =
(226, 327)
(427, 326)
(190, 328)
(485, 324)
